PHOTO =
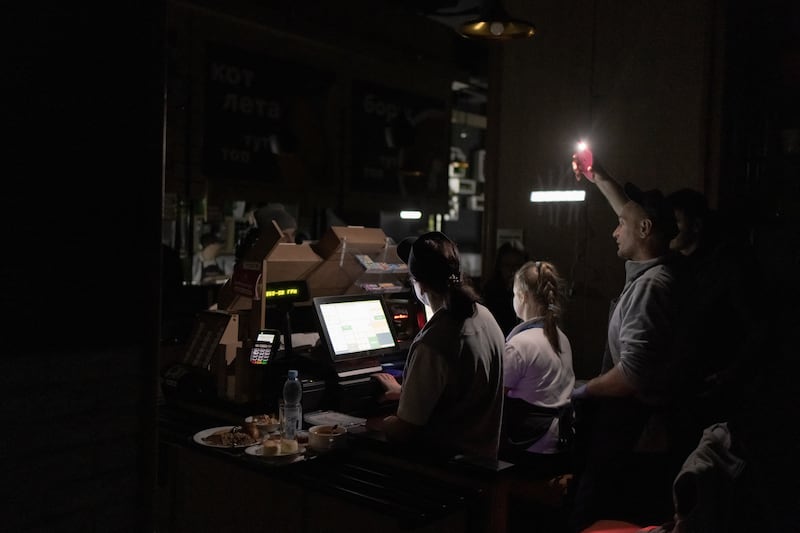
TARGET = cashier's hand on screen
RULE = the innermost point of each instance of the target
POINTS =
(390, 385)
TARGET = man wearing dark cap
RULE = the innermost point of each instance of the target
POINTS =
(640, 327)
(629, 465)
(452, 394)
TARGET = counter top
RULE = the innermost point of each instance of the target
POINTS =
(370, 473)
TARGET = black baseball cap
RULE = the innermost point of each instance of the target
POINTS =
(425, 259)
(657, 207)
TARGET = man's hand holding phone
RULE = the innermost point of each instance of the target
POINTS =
(582, 162)
(584, 165)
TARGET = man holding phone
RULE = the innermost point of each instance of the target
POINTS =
(625, 446)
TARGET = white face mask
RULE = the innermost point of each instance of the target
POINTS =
(422, 296)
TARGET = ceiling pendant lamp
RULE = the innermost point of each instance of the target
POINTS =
(495, 24)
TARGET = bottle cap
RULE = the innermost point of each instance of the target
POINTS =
(292, 374)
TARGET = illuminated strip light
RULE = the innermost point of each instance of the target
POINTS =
(410, 215)
(558, 196)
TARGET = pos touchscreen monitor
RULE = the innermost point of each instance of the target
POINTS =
(355, 326)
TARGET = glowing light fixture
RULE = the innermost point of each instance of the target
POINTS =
(557, 196)
(410, 215)
(495, 24)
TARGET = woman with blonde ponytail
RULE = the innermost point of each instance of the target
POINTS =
(537, 365)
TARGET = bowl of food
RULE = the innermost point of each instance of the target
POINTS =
(266, 424)
(326, 438)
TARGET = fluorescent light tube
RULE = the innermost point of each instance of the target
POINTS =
(410, 215)
(558, 196)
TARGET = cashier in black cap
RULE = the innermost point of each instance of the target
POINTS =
(452, 394)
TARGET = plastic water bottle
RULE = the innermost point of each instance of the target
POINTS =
(292, 410)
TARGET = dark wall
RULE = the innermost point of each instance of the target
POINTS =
(82, 201)
(362, 102)
(760, 163)
(669, 94)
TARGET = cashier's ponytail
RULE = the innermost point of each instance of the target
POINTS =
(460, 297)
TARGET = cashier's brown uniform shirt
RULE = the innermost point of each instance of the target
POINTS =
(453, 384)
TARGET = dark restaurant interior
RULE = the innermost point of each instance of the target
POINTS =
(133, 128)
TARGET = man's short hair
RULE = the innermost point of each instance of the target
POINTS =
(657, 208)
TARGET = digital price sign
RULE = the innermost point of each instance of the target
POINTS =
(286, 291)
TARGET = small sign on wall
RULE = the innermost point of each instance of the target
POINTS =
(512, 235)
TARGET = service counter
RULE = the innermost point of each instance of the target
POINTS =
(369, 486)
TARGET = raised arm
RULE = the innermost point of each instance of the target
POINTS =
(608, 185)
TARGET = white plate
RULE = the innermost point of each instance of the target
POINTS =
(258, 451)
(200, 435)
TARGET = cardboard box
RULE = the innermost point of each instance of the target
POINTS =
(286, 262)
(351, 240)
(289, 262)
(340, 269)
(267, 239)
(281, 262)
(330, 279)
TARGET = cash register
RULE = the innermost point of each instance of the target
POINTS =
(357, 335)
(346, 291)
(357, 338)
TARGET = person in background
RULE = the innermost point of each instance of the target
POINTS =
(451, 399)
(497, 291)
(263, 218)
(207, 265)
(537, 367)
(247, 224)
(722, 271)
(627, 452)
(693, 218)
(744, 475)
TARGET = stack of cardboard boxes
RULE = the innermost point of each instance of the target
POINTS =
(346, 260)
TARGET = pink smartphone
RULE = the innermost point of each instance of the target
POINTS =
(583, 160)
